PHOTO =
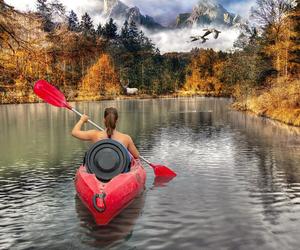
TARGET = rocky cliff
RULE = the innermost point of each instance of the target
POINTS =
(207, 12)
(119, 11)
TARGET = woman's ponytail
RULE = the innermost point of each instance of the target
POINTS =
(110, 117)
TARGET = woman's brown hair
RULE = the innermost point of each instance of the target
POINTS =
(110, 118)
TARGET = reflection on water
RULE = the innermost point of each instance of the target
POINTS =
(118, 231)
(162, 181)
(238, 183)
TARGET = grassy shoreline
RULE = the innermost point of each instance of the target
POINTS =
(281, 102)
(288, 116)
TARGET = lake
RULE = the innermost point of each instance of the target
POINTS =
(238, 183)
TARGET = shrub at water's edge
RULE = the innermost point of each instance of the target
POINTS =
(281, 102)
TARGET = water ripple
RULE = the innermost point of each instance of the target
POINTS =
(238, 183)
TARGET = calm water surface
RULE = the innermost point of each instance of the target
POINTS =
(238, 183)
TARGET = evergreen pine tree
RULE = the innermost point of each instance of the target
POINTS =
(145, 43)
(99, 31)
(132, 44)
(86, 26)
(57, 9)
(133, 31)
(110, 30)
(125, 31)
(73, 23)
(44, 11)
(42, 7)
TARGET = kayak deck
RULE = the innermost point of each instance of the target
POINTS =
(106, 200)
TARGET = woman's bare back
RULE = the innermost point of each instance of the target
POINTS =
(96, 135)
(124, 139)
(117, 136)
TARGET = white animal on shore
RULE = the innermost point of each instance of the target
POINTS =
(129, 91)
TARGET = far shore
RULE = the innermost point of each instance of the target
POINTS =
(33, 99)
(236, 105)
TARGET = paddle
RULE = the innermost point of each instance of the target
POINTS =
(53, 96)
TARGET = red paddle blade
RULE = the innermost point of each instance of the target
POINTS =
(161, 170)
(50, 94)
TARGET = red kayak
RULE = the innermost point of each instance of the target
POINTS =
(106, 200)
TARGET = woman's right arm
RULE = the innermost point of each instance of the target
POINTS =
(80, 134)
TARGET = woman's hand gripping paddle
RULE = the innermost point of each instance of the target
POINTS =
(53, 96)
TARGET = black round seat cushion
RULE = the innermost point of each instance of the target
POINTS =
(106, 159)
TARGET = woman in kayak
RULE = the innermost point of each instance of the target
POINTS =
(110, 120)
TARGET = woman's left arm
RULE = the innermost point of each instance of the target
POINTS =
(83, 135)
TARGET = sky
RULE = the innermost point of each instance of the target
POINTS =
(164, 11)
(161, 10)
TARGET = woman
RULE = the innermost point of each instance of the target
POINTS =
(110, 120)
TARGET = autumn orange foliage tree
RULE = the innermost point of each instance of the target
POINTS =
(21, 46)
(204, 72)
(100, 80)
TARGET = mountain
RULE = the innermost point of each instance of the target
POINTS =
(204, 13)
(119, 11)
(207, 12)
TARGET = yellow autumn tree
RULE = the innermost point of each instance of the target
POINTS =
(202, 73)
(279, 22)
(281, 45)
(22, 45)
(100, 80)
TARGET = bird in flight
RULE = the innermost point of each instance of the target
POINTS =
(196, 38)
(204, 36)
(216, 33)
(208, 31)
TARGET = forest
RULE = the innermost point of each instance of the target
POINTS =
(89, 61)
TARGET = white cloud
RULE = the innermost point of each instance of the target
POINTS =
(71, 4)
(22, 5)
(93, 7)
(179, 39)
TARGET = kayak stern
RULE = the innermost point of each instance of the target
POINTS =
(106, 200)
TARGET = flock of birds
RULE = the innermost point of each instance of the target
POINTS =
(204, 36)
